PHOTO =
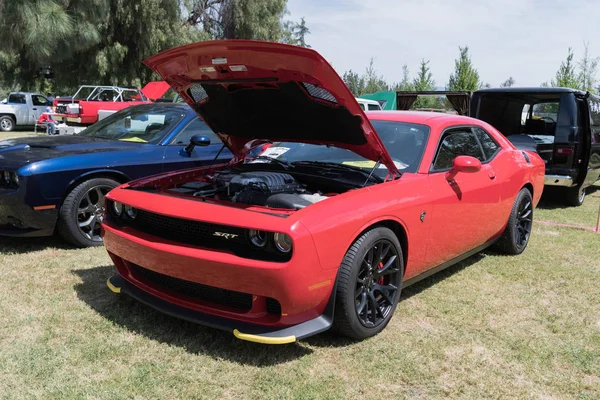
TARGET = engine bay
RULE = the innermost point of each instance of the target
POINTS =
(260, 188)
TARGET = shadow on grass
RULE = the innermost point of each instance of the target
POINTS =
(330, 339)
(26, 245)
(195, 339)
(553, 198)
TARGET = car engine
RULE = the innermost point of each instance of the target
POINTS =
(263, 188)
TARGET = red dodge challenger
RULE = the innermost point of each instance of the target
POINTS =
(326, 225)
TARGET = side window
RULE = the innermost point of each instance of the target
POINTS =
(458, 142)
(195, 127)
(490, 147)
(373, 107)
(362, 106)
(38, 100)
(16, 98)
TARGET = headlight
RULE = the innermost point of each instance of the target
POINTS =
(257, 238)
(283, 242)
(131, 212)
(15, 179)
(117, 208)
(6, 177)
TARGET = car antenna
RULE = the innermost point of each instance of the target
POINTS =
(372, 171)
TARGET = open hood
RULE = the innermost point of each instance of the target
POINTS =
(247, 90)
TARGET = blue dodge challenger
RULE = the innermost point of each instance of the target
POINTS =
(57, 183)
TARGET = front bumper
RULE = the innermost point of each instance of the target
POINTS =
(241, 330)
(18, 219)
(300, 286)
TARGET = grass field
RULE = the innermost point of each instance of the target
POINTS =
(490, 327)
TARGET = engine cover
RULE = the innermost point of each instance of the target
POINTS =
(255, 187)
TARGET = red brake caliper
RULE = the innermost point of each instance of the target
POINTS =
(380, 280)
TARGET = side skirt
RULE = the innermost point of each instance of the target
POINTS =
(447, 264)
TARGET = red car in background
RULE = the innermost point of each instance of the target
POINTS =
(327, 225)
(90, 101)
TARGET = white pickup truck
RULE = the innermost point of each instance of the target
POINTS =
(22, 109)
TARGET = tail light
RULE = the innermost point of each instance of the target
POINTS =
(80, 110)
(564, 151)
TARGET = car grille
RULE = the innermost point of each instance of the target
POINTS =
(204, 234)
(192, 290)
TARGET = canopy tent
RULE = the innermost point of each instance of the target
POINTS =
(458, 100)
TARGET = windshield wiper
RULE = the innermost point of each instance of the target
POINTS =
(285, 164)
(334, 165)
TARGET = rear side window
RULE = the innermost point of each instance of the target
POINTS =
(373, 107)
(38, 100)
(489, 145)
(457, 142)
(595, 118)
(16, 98)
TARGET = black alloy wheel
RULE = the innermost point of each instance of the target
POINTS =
(377, 284)
(369, 282)
(516, 235)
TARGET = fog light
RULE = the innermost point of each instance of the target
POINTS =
(131, 212)
(257, 238)
(118, 208)
(283, 242)
(6, 177)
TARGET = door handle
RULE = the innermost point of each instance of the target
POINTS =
(492, 174)
(34, 108)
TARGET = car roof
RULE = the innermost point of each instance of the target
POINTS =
(541, 89)
(422, 117)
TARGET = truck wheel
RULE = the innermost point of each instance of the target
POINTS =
(575, 196)
(369, 284)
(7, 123)
(82, 212)
(516, 235)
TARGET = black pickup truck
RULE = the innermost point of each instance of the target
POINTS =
(562, 125)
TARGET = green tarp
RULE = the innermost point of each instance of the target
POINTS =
(386, 99)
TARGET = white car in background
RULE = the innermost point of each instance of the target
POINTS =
(368, 105)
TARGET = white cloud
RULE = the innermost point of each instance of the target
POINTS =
(525, 39)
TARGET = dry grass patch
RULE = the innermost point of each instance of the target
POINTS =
(490, 327)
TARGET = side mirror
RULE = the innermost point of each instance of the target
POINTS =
(197, 140)
(466, 164)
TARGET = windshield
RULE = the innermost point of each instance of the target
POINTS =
(137, 124)
(405, 142)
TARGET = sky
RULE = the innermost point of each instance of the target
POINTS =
(525, 39)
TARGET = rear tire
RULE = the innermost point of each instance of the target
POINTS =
(516, 235)
(575, 196)
(368, 284)
(7, 123)
(82, 211)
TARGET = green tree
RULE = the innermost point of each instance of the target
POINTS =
(295, 33)
(355, 82)
(422, 83)
(465, 77)
(588, 67)
(374, 82)
(405, 84)
(566, 76)
(510, 82)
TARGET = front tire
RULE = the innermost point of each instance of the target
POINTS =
(7, 123)
(516, 235)
(82, 212)
(368, 284)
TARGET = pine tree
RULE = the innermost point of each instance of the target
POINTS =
(424, 82)
(510, 82)
(588, 67)
(465, 77)
(566, 75)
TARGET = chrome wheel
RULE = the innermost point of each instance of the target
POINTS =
(523, 222)
(6, 124)
(91, 211)
(377, 284)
